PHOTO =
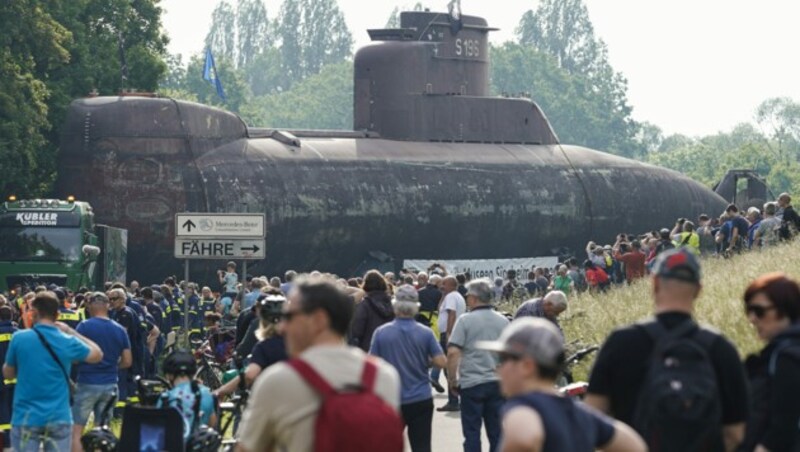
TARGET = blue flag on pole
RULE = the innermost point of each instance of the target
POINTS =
(210, 74)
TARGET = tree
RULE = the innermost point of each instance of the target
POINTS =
(38, 44)
(563, 30)
(707, 159)
(252, 27)
(394, 17)
(578, 114)
(102, 33)
(237, 93)
(675, 141)
(779, 118)
(264, 73)
(312, 33)
(288, 30)
(649, 138)
(221, 37)
(39, 38)
(321, 101)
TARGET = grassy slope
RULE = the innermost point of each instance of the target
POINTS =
(590, 318)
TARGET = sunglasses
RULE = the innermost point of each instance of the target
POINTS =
(509, 357)
(116, 298)
(758, 310)
(288, 315)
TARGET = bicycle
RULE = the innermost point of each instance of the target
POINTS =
(231, 411)
(567, 385)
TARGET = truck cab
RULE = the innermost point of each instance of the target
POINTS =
(51, 241)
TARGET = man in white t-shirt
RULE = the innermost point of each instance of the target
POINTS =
(283, 408)
(452, 307)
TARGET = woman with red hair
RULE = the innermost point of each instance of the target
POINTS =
(772, 305)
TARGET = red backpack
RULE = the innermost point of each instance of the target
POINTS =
(352, 420)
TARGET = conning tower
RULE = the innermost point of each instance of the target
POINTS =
(429, 81)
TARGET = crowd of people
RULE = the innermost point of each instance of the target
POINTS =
(349, 364)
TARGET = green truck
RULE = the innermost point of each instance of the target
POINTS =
(51, 241)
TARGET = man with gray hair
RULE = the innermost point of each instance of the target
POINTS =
(549, 307)
(410, 347)
(471, 371)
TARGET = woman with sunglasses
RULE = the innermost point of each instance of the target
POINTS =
(772, 305)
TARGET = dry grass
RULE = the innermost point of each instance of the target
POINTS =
(590, 318)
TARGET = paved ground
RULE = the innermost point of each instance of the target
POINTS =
(447, 435)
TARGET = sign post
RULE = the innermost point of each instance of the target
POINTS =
(186, 302)
(220, 225)
(216, 248)
(222, 236)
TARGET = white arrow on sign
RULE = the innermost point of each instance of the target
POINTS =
(187, 248)
(217, 225)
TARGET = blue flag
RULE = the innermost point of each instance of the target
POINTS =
(210, 74)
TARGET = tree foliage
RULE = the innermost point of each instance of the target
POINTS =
(312, 33)
(779, 119)
(394, 16)
(563, 30)
(578, 114)
(707, 159)
(272, 56)
(31, 44)
(322, 101)
(221, 37)
(253, 31)
(237, 92)
(260, 62)
(52, 52)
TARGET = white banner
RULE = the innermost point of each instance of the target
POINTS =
(485, 268)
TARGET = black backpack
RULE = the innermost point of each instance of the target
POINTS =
(679, 406)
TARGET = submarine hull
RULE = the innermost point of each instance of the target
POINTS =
(337, 197)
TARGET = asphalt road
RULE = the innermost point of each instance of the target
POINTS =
(447, 435)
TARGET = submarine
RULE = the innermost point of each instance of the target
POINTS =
(435, 167)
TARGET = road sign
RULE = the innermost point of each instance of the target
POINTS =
(207, 248)
(220, 225)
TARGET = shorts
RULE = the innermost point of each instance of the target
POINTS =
(48, 438)
(93, 399)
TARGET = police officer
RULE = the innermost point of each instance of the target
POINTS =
(166, 310)
(195, 319)
(173, 310)
(157, 316)
(125, 316)
(143, 326)
(7, 328)
(65, 314)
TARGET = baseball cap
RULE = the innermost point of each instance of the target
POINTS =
(534, 337)
(406, 292)
(680, 264)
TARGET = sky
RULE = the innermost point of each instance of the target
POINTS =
(693, 67)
